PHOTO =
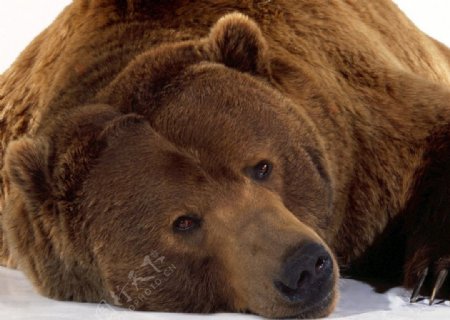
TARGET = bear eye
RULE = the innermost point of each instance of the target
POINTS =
(186, 223)
(262, 170)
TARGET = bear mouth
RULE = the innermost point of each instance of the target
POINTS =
(318, 309)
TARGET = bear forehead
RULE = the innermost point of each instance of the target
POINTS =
(222, 110)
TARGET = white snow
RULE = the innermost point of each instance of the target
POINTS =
(19, 301)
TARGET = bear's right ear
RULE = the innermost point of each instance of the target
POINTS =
(41, 170)
(26, 167)
(237, 42)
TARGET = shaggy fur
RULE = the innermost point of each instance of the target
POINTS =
(126, 114)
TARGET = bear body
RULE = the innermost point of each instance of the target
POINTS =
(124, 116)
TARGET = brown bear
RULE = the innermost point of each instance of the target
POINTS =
(204, 156)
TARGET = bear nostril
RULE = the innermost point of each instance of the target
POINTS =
(303, 279)
(321, 264)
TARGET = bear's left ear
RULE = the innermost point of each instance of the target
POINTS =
(26, 166)
(237, 42)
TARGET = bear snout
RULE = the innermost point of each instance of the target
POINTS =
(306, 275)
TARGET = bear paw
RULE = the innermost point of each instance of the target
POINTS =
(427, 273)
(428, 223)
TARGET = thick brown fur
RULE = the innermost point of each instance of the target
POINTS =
(124, 114)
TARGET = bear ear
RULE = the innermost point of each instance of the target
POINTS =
(26, 167)
(27, 160)
(237, 42)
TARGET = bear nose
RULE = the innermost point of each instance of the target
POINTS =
(307, 274)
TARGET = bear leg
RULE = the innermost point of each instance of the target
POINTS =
(428, 224)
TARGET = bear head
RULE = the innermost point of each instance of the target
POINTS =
(189, 184)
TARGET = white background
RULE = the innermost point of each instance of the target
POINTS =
(22, 20)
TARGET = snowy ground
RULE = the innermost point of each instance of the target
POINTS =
(20, 22)
(18, 300)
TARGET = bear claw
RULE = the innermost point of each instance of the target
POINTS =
(416, 291)
(438, 284)
(442, 276)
